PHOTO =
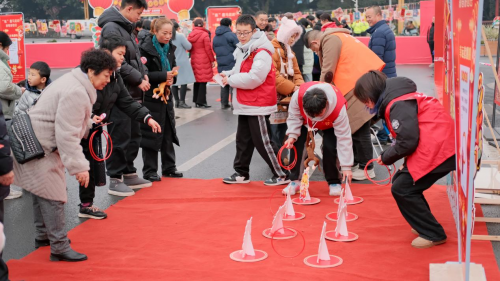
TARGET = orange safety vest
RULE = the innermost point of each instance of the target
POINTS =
(355, 60)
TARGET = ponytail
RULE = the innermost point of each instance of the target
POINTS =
(156, 24)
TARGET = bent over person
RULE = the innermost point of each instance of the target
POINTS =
(424, 134)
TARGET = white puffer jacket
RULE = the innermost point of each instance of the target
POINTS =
(262, 64)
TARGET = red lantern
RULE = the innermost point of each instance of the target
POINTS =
(99, 6)
(181, 7)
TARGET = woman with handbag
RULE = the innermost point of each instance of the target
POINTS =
(59, 120)
(288, 76)
(159, 51)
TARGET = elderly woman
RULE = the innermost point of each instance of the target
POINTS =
(60, 119)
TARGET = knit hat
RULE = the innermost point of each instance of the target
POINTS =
(287, 29)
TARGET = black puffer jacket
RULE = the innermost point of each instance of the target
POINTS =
(163, 113)
(5, 157)
(405, 114)
(115, 94)
(133, 71)
(298, 47)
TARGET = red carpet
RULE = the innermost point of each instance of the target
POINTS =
(185, 230)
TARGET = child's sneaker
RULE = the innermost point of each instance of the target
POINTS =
(335, 189)
(277, 181)
(292, 188)
(236, 178)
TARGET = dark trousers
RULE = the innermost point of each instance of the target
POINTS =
(87, 194)
(329, 150)
(411, 201)
(175, 93)
(382, 133)
(167, 151)
(278, 133)
(4, 270)
(362, 146)
(316, 76)
(431, 47)
(200, 93)
(253, 132)
(225, 92)
(126, 136)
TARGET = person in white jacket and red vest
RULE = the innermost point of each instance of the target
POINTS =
(321, 106)
(253, 82)
(425, 137)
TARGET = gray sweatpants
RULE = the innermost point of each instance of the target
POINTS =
(49, 223)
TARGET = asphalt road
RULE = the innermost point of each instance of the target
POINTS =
(207, 151)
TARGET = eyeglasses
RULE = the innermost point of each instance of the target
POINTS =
(243, 34)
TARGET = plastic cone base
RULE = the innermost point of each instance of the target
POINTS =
(313, 201)
(333, 216)
(237, 256)
(330, 235)
(312, 261)
(356, 200)
(298, 216)
(289, 234)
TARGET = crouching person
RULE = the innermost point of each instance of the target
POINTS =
(410, 115)
(321, 106)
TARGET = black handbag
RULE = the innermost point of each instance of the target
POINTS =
(23, 141)
(99, 166)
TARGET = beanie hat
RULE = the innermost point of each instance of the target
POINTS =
(287, 29)
(5, 39)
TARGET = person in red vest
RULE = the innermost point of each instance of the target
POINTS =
(321, 106)
(424, 138)
(253, 82)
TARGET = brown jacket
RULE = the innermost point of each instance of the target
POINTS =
(329, 56)
(285, 86)
(60, 119)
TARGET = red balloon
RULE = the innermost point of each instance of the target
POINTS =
(178, 5)
(100, 3)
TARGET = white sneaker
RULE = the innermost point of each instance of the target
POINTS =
(292, 186)
(14, 194)
(359, 174)
(431, 65)
(335, 189)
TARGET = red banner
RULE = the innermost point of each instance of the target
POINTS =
(215, 14)
(467, 95)
(13, 25)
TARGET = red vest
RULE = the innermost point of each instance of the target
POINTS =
(437, 135)
(327, 123)
(263, 95)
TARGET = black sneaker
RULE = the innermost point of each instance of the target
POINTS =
(236, 178)
(277, 181)
(92, 212)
